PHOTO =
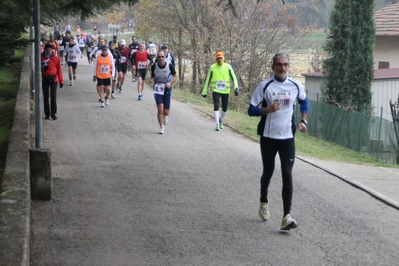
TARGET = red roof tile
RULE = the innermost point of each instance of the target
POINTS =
(386, 73)
(387, 20)
(314, 74)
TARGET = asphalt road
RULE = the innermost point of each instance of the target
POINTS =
(125, 195)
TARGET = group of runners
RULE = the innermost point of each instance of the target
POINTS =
(273, 99)
(112, 60)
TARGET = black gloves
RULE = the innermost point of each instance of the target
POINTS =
(61, 85)
(236, 92)
(204, 96)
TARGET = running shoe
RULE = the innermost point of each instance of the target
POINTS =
(161, 130)
(71, 83)
(217, 128)
(140, 97)
(264, 211)
(113, 95)
(102, 105)
(221, 126)
(288, 223)
(134, 79)
(106, 101)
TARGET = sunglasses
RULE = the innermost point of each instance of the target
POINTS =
(161, 56)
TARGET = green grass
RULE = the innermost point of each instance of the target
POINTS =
(305, 145)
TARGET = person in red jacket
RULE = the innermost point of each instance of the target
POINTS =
(140, 64)
(51, 76)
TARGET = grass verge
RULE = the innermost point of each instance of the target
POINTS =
(9, 84)
(305, 145)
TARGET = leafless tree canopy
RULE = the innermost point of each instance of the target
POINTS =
(196, 30)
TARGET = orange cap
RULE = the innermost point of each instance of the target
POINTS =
(219, 54)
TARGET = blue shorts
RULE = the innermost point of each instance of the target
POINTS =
(164, 99)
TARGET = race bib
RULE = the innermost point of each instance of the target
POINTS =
(123, 59)
(71, 56)
(284, 101)
(159, 88)
(89, 49)
(104, 69)
(221, 85)
(142, 64)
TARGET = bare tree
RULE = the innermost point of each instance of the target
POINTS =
(196, 30)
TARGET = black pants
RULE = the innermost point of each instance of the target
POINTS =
(50, 90)
(286, 150)
(216, 100)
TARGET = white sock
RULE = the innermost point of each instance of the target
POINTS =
(216, 114)
(222, 115)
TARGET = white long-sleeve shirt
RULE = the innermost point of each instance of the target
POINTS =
(278, 124)
(96, 50)
(73, 53)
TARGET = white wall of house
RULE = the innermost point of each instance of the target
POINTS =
(313, 87)
(386, 49)
(382, 91)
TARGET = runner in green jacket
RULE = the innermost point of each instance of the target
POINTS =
(219, 79)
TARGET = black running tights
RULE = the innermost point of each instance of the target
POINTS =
(216, 101)
(286, 150)
(50, 92)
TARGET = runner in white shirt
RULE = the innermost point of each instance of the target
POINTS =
(81, 44)
(277, 96)
(62, 47)
(97, 51)
(152, 47)
(72, 54)
(89, 47)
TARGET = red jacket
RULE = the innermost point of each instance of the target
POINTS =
(53, 67)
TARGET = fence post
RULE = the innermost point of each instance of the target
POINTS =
(361, 130)
(317, 114)
(379, 132)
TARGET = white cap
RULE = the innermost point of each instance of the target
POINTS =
(123, 42)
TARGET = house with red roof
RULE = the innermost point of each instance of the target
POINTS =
(385, 85)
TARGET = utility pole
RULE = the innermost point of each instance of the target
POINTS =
(38, 74)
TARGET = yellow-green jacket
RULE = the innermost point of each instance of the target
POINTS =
(219, 78)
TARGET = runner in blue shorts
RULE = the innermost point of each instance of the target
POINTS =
(163, 75)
